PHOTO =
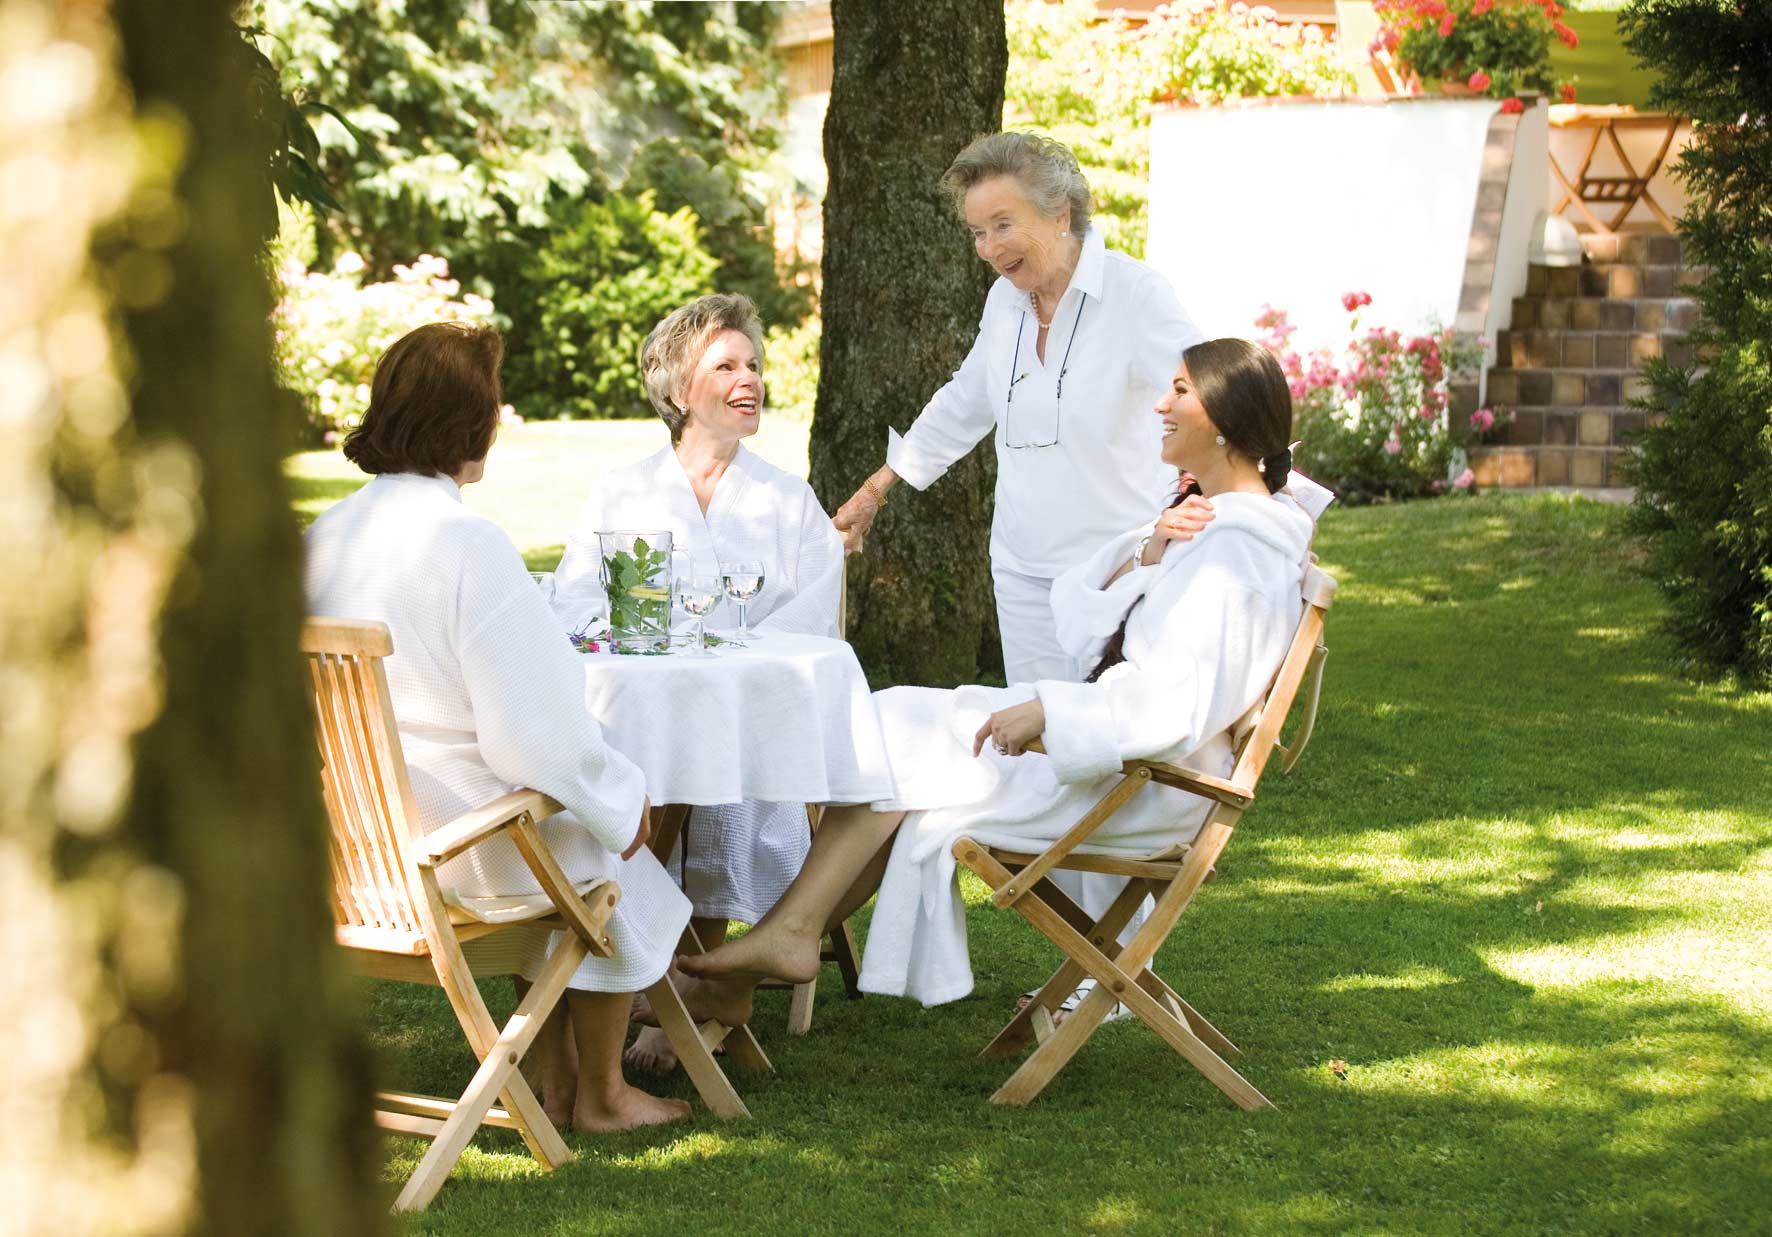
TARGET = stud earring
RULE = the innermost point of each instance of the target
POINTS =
(1219, 440)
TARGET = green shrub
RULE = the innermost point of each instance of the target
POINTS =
(791, 368)
(586, 297)
(1704, 469)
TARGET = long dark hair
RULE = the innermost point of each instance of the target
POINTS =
(1246, 398)
(1244, 392)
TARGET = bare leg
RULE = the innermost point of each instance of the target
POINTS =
(548, 1068)
(605, 1102)
(651, 1049)
(785, 945)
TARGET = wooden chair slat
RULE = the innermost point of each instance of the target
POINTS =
(353, 875)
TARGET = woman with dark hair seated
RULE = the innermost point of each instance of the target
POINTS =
(488, 694)
(1186, 634)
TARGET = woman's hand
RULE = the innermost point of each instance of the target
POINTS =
(855, 517)
(1009, 730)
(1179, 523)
(644, 835)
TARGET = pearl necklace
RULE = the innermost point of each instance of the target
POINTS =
(1035, 297)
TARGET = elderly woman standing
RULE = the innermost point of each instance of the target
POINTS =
(703, 369)
(1076, 343)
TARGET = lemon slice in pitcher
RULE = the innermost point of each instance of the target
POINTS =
(647, 593)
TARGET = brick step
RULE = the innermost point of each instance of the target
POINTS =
(1570, 427)
(1615, 351)
(1651, 249)
(1519, 467)
(1564, 389)
(1673, 313)
(1612, 279)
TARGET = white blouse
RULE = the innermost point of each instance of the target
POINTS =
(1075, 427)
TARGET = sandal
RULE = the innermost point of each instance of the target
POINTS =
(1072, 1002)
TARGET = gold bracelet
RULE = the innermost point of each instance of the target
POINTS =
(868, 485)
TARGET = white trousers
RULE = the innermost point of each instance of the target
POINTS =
(1031, 652)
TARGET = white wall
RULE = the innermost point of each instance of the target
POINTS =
(1296, 203)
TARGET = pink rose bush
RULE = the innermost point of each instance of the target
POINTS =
(1372, 413)
(330, 328)
(1497, 47)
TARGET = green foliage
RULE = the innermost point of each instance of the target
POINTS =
(594, 287)
(791, 367)
(1091, 83)
(1498, 47)
(1704, 473)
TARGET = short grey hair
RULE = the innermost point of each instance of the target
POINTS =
(671, 351)
(1046, 170)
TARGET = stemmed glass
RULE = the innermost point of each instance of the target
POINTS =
(743, 581)
(697, 594)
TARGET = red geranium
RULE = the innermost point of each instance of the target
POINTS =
(1512, 107)
(1478, 80)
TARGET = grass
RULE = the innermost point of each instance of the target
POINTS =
(1521, 885)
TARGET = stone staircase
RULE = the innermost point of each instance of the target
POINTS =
(1567, 367)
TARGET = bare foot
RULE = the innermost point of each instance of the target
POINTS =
(628, 1108)
(652, 1051)
(641, 1012)
(774, 953)
(726, 1001)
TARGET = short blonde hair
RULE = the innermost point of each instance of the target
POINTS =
(669, 355)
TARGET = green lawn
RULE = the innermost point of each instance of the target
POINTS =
(1521, 885)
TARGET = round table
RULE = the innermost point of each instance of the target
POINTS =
(786, 718)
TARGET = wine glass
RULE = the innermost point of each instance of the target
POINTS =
(697, 594)
(544, 580)
(743, 581)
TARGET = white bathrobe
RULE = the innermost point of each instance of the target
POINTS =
(741, 856)
(489, 696)
(1207, 627)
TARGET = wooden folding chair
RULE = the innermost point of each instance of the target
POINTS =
(1091, 947)
(393, 919)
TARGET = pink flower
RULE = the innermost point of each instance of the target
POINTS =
(1567, 90)
(1351, 301)
(1464, 479)
(1296, 386)
(1512, 107)
(1482, 420)
(1479, 80)
(1564, 33)
(1392, 446)
(1428, 412)
(1477, 10)
(1437, 485)
(1446, 24)
(330, 438)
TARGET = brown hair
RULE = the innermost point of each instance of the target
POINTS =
(1244, 392)
(434, 403)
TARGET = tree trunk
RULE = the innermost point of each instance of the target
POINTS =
(179, 1036)
(913, 83)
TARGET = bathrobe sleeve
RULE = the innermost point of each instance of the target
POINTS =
(526, 687)
(1086, 609)
(818, 575)
(952, 422)
(1202, 673)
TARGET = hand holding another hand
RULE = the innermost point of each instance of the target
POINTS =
(1182, 522)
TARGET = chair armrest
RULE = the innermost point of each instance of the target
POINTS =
(1203, 784)
(472, 828)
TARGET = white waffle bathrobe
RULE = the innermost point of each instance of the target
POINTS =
(488, 697)
(740, 856)
(1207, 627)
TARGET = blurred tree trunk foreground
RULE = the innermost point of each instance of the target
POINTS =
(902, 296)
(179, 1052)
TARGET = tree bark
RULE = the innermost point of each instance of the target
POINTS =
(912, 84)
(180, 1045)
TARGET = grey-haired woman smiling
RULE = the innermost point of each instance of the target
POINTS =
(1075, 343)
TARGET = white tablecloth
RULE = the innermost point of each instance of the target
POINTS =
(788, 718)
